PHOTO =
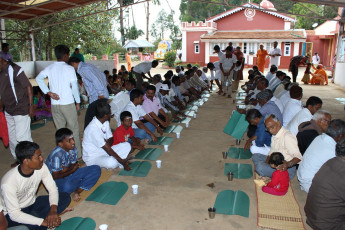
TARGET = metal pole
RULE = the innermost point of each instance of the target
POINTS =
(3, 33)
(33, 46)
(339, 41)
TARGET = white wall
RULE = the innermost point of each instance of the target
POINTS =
(340, 74)
(29, 68)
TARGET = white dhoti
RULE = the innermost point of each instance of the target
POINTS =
(227, 82)
(262, 150)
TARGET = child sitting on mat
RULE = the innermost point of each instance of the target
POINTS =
(125, 132)
(280, 179)
(63, 164)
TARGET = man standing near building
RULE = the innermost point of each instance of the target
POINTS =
(78, 55)
(227, 64)
(17, 97)
(261, 58)
(129, 61)
(64, 93)
(275, 54)
(141, 69)
(294, 63)
(4, 53)
(316, 59)
(95, 84)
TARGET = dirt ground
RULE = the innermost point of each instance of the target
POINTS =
(176, 196)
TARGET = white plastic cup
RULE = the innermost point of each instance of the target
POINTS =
(159, 163)
(166, 148)
(194, 115)
(178, 135)
(103, 227)
(135, 189)
(187, 125)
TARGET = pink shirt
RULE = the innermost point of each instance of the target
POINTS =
(151, 106)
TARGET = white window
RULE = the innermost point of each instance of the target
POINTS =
(252, 47)
(196, 48)
(245, 48)
(287, 48)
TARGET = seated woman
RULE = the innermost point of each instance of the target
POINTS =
(42, 109)
(319, 76)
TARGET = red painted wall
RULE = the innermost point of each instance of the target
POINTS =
(261, 21)
(321, 46)
(192, 57)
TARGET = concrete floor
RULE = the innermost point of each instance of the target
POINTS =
(177, 196)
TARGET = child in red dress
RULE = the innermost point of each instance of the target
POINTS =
(125, 132)
(280, 179)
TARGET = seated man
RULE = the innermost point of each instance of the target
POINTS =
(216, 74)
(260, 142)
(307, 131)
(282, 141)
(312, 106)
(319, 151)
(197, 80)
(3, 221)
(275, 81)
(184, 91)
(125, 132)
(19, 186)
(156, 81)
(130, 85)
(161, 95)
(294, 105)
(320, 77)
(63, 164)
(143, 125)
(325, 206)
(152, 106)
(272, 73)
(261, 84)
(267, 105)
(175, 83)
(97, 149)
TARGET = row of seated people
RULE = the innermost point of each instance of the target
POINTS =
(286, 138)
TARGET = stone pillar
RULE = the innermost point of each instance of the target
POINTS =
(116, 60)
(105, 57)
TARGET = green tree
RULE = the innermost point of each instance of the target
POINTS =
(133, 33)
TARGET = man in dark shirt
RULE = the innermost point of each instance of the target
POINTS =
(307, 131)
(17, 98)
(325, 206)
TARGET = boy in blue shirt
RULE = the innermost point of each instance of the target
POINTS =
(63, 164)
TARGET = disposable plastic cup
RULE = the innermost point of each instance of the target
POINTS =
(187, 125)
(159, 163)
(166, 148)
(103, 227)
(135, 189)
(194, 115)
(178, 135)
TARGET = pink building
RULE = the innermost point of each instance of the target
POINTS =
(247, 26)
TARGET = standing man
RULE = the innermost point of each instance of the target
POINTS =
(261, 58)
(316, 59)
(275, 54)
(4, 53)
(129, 61)
(227, 64)
(141, 69)
(78, 55)
(64, 93)
(239, 55)
(17, 97)
(95, 84)
(294, 63)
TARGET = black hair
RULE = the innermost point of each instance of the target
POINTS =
(114, 69)
(252, 114)
(151, 87)
(175, 79)
(155, 62)
(60, 51)
(264, 81)
(280, 73)
(4, 45)
(125, 114)
(135, 93)
(210, 65)
(296, 92)
(251, 76)
(73, 60)
(76, 49)
(106, 72)
(189, 65)
(36, 90)
(336, 128)
(216, 47)
(276, 159)
(132, 81)
(273, 68)
(123, 66)
(182, 68)
(167, 76)
(170, 72)
(25, 150)
(229, 48)
(125, 72)
(61, 134)
(255, 68)
(167, 82)
(239, 62)
(102, 109)
(313, 101)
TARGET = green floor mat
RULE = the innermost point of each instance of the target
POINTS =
(239, 153)
(109, 193)
(35, 126)
(241, 171)
(189, 113)
(149, 154)
(138, 169)
(229, 202)
(173, 129)
(162, 141)
(236, 126)
(77, 223)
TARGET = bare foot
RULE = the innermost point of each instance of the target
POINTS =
(75, 196)
(67, 210)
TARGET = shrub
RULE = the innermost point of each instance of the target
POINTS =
(170, 58)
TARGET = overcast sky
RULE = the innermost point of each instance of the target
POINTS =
(140, 15)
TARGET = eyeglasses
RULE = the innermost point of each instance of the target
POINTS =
(328, 121)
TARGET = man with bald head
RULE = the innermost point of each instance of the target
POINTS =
(283, 141)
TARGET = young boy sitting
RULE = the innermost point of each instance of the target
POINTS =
(19, 186)
(125, 132)
(63, 164)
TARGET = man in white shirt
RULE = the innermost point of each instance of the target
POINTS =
(275, 54)
(97, 141)
(143, 125)
(19, 187)
(316, 59)
(306, 114)
(64, 93)
(321, 149)
(227, 64)
(272, 73)
(294, 105)
(216, 74)
(141, 69)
